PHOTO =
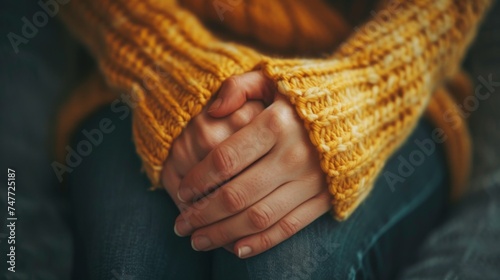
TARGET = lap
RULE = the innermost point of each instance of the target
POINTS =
(122, 227)
(381, 236)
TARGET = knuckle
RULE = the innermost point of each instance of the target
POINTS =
(265, 241)
(178, 150)
(289, 226)
(192, 181)
(206, 138)
(194, 184)
(233, 200)
(260, 217)
(197, 218)
(295, 156)
(280, 118)
(275, 116)
(225, 159)
(242, 117)
(232, 82)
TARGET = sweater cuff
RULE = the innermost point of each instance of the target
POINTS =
(361, 103)
(163, 59)
(353, 126)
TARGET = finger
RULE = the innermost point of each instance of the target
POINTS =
(238, 194)
(255, 219)
(181, 155)
(289, 225)
(207, 133)
(236, 90)
(229, 248)
(229, 158)
(170, 180)
(245, 115)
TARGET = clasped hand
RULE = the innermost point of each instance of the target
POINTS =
(244, 176)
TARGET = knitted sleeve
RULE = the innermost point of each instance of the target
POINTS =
(360, 104)
(285, 27)
(162, 59)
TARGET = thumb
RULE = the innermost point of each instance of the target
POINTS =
(236, 90)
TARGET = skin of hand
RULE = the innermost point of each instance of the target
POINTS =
(258, 187)
(202, 134)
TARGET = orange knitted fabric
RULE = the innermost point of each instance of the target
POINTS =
(282, 26)
(359, 103)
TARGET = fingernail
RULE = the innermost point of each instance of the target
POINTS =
(179, 196)
(182, 228)
(215, 105)
(200, 243)
(244, 251)
(176, 231)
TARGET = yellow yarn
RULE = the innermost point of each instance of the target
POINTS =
(359, 103)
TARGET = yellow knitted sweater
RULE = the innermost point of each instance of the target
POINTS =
(360, 87)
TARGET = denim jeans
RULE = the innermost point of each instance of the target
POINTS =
(466, 246)
(124, 231)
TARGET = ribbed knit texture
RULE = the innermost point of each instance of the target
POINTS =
(159, 53)
(282, 26)
(358, 104)
(361, 104)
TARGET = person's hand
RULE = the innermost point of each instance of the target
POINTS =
(203, 133)
(271, 183)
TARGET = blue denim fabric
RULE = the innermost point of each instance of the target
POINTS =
(467, 245)
(123, 230)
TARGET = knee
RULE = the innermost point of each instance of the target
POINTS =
(316, 252)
